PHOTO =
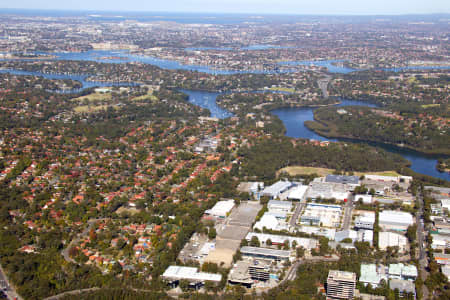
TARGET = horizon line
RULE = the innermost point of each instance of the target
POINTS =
(225, 13)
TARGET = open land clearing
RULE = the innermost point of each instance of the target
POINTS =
(94, 97)
(300, 170)
(91, 108)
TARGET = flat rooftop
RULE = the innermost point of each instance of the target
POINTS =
(342, 179)
(342, 275)
(265, 251)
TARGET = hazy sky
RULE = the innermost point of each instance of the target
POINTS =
(245, 6)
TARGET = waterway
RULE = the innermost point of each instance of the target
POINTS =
(294, 121)
(207, 100)
(81, 78)
(293, 118)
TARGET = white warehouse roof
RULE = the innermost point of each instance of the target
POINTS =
(396, 217)
(275, 189)
(306, 243)
(298, 192)
(221, 208)
(390, 239)
(190, 274)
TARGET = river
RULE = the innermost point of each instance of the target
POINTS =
(293, 118)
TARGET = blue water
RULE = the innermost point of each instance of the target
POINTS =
(294, 118)
(80, 78)
(208, 48)
(207, 100)
(105, 56)
(329, 64)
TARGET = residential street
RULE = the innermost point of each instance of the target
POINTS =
(423, 259)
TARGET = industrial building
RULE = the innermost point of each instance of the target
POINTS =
(440, 241)
(366, 199)
(265, 253)
(246, 271)
(401, 271)
(341, 285)
(365, 221)
(174, 274)
(403, 286)
(271, 222)
(390, 239)
(276, 189)
(306, 243)
(252, 188)
(442, 258)
(445, 203)
(279, 206)
(342, 179)
(365, 236)
(327, 190)
(372, 275)
(221, 209)
(319, 231)
(298, 193)
(322, 214)
(346, 234)
(395, 220)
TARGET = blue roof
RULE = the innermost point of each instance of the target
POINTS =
(342, 179)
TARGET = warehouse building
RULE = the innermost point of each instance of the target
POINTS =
(276, 189)
(298, 193)
(279, 206)
(174, 274)
(275, 239)
(341, 285)
(390, 239)
(327, 190)
(221, 209)
(271, 222)
(395, 220)
(252, 187)
(403, 286)
(401, 271)
(366, 199)
(265, 253)
(322, 214)
(246, 272)
(343, 179)
(346, 234)
(372, 275)
(365, 221)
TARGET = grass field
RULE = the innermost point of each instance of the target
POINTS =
(94, 97)
(148, 96)
(282, 89)
(90, 108)
(429, 105)
(299, 170)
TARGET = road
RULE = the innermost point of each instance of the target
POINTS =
(423, 259)
(74, 292)
(8, 289)
(323, 85)
(348, 208)
(65, 251)
(298, 209)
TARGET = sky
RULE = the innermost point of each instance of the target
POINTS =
(321, 7)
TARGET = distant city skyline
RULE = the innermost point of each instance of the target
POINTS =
(324, 7)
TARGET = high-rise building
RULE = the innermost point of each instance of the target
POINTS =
(341, 285)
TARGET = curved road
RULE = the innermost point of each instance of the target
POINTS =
(8, 289)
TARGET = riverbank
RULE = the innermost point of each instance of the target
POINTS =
(327, 129)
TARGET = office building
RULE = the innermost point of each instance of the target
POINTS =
(341, 285)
